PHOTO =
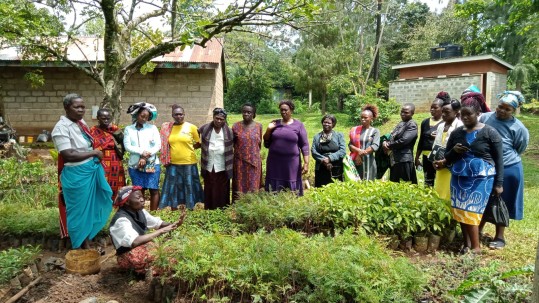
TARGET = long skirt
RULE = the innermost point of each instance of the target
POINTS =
(216, 190)
(144, 179)
(513, 190)
(181, 186)
(323, 176)
(403, 171)
(88, 199)
(442, 184)
(138, 259)
(428, 171)
(247, 178)
(469, 197)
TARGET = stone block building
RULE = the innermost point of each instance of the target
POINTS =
(193, 78)
(418, 83)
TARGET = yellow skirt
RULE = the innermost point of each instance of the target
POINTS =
(442, 184)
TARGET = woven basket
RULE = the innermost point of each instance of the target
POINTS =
(83, 262)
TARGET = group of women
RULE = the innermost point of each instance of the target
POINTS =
(478, 154)
(475, 154)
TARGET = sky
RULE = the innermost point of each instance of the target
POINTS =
(435, 5)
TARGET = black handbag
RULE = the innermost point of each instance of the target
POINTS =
(437, 153)
(496, 211)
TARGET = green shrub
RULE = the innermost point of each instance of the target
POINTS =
(19, 173)
(13, 261)
(218, 220)
(531, 107)
(22, 221)
(377, 207)
(355, 103)
(286, 266)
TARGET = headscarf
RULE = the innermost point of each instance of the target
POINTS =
(219, 111)
(513, 98)
(124, 193)
(471, 97)
(134, 109)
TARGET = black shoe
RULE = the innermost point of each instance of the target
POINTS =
(497, 243)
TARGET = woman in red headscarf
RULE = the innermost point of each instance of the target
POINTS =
(128, 229)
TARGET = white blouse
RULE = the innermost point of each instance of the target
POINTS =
(68, 135)
(216, 152)
(123, 233)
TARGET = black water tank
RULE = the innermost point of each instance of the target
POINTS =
(446, 51)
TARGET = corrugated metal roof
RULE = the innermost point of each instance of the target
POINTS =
(91, 49)
(454, 60)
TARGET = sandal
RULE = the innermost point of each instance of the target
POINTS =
(497, 243)
(464, 250)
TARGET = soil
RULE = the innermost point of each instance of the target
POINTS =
(111, 283)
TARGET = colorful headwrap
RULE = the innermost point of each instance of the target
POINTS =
(134, 109)
(124, 193)
(474, 99)
(513, 98)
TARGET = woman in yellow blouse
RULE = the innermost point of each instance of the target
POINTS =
(179, 139)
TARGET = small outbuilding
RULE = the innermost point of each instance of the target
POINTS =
(193, 78)
(418, 83)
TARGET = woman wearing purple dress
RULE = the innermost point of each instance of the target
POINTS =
(286, 139)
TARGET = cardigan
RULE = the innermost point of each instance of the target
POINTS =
(338, 155)
(487, 146)
(205, 135)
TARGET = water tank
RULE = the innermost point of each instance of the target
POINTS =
(446, 51)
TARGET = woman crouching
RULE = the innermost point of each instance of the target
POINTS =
(128, 229)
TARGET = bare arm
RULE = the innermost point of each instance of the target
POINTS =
(71, 155)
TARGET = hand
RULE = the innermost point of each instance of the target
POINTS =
(98, 154)
(439, 164)
(183, 210)
(385, 146)
(460, 149)
(145, 154)
(362, 152)
(498, 190)
(417, 162)
(141, 162)
(358, 160)
(433, 134)
(272, 125)
(305, 168)
(329, 166)
(168, 228)
(325, 161)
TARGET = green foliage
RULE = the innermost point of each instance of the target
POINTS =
(355, 103)
(286, 266)
(531, 107)
(487, 284)
(377, 207)
(216, 221)
(255, 90)
(13, 261)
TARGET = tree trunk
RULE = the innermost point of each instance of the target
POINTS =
(113, 100)
(323, 102)
(340, 103)
(310, 98)
(535, 296)
(376, 63)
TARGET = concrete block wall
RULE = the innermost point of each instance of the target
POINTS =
(421, 92)
(496, 83)
(30, 110)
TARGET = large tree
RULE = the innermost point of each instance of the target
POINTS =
(43, 29)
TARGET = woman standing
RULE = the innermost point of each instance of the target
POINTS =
(247, 161)
(84, 195)
(328, 150)
(179, 139)
(286, 138)
(217, 160)
(104, 140)
(515, 139)
(142, 141)
(475, 153)
(426, 139)
(364, 141)
(450, 112)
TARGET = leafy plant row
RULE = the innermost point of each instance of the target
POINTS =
(377, 207)
(13, 261)
(285, 266)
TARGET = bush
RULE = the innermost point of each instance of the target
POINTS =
(284, 266)
(354, 105)
(217, 221)
(531, 107)
(13, 261)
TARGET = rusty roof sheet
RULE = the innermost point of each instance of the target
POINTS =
(90, 49)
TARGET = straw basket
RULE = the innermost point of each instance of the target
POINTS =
(83, 262)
